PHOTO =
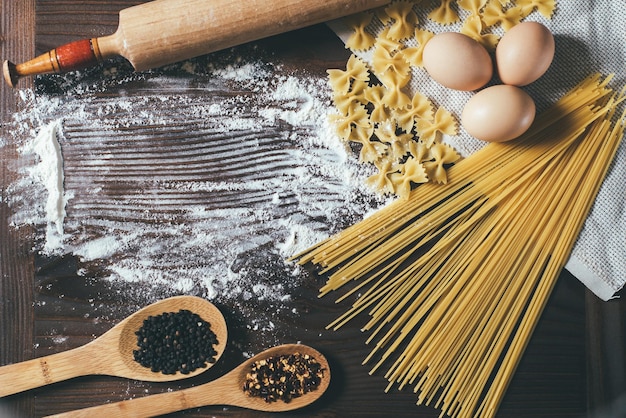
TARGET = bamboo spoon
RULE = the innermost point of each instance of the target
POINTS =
(112, 353)
(227, 390)
(162, 32)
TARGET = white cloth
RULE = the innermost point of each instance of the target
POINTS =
(590, 37)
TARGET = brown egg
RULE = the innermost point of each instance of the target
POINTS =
(524, 53)
(498, 113)
(457, 61)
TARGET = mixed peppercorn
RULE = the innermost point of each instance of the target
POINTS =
(175, 342)
(283, 377)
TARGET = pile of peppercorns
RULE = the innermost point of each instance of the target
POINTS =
(283, 377)
(175, 342)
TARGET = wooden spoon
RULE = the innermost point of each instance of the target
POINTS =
(227, 390)
(112, 353)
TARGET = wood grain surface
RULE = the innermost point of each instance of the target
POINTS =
(574, 366)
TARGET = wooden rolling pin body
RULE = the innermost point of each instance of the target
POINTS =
(162, 32)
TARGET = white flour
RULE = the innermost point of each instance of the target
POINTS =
(49, 172)
(221, 215)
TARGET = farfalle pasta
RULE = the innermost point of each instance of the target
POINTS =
(356, 117)
(356, 94)
(391, 68)
(382, 179)
(474, 27)
(397, 142)
(419, 151)
(472, 6)
(420, 108)
(402, 20)
(395, 97)
(361, 39)
(444, 14)
(373, 151)
(375, 96)
(384, 41)
(442, 123)
(411, 172)
(545, 7)
(361, 133)
(402, 135)
(356, 69)
(414, 54)
(494, 14)
(441, 155)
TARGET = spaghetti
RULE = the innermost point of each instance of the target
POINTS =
(455, 277)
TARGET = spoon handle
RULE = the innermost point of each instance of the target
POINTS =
(18, 377)
(155, 405)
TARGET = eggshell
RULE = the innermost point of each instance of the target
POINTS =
(457, 61)
(498, 113)
(524, 53)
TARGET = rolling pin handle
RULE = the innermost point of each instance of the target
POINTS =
(73, 56)
(10, 73)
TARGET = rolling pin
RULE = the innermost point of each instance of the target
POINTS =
(162, 32)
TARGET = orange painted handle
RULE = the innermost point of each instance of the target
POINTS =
(75, 55)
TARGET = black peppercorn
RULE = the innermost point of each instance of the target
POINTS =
(175, 342)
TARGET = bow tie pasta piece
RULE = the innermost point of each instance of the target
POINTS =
(398, 142)
(473, 27)
(494, 14)
(361, 39)
(419, 151)
(420, 108)
(385, 41)
(343, 101)
(375, 95)
(443, 123)
(415, 54)
(392, 66)
(395, 98)
(373, 151)
(444, 14)
(472, 6)
(356, 118)
(545, 7)
(442, 155)
(356, 69)
(412, 172)
(381, 181)
(402, 18)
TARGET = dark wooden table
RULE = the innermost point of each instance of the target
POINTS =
(573, 367)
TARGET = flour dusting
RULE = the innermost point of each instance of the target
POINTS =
(204, 190)
(48, 171)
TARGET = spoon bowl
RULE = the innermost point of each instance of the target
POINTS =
(227, 391)
(238, 375)
(112, 353)
(124, 334)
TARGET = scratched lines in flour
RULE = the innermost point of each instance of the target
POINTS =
(207, 188)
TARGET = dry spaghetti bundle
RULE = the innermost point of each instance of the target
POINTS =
(455, 277)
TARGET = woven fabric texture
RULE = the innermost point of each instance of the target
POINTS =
(590, 37)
